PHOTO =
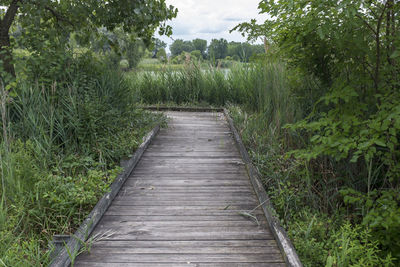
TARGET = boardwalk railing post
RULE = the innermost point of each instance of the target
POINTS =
(285, 245)
(63, 259)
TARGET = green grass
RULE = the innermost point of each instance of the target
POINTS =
(259, 86)
(263, 98)
(59, 152)
(320, 237)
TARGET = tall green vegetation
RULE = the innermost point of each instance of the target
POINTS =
(61, 146)
(200, 45)
(179, 46)
(244, 51)
(117, 45)
(263, 98)
(218, 49)
(67, 115)
(45, 26)
(320, 115)
(350, 145)
(243, 84)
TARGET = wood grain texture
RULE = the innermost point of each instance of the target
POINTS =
(185, 204)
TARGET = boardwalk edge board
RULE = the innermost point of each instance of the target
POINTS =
(284, 243)
(187, 109)
(63, 259)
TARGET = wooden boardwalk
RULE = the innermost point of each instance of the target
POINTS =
(181, 206)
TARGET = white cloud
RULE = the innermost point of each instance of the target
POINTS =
(211, 19)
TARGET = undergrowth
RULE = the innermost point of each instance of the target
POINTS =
(334, 188)
(61, 146)
(322, 235)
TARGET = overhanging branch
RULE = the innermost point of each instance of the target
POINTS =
(8, 19)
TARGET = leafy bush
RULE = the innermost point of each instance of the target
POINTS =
(73, 196)
(320, 238)
(353, 247)
(67, 137)
(379, 212)
(124, 64)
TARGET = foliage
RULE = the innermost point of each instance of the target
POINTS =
(70, 195)
(244, 51)
(353, 247)
(200, 45)
(320, 238)
(350, 142)
(179, 46)
(162, 55)
(218, 49)
(247, 84)
(61, 143)
(157, 45)
(357, 119)
(379, 212)
(196, 54)
(124, 64)
(44, 27)
(119, 44)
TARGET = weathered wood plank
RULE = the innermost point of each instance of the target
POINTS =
(183, 204)
(186, 264)
(186, 197)
(101, 249)
(190, 154)
(181, 218)
(176, 211)
(205, 171)
(112, 221)
(193, 189)
(175, 203)
(185, 160)
(188, 244)
(185, 148)
(187, 182)
(182, 258)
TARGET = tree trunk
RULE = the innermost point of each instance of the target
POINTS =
(5, 49)
(5, 53)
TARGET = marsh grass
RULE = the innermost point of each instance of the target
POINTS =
(60, 146)
(262, 87)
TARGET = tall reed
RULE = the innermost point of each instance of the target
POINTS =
(263, 87)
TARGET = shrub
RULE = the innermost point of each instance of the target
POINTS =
(124, 64)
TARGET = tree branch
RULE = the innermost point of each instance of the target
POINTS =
(366, 23)
(58, 16)
(8, 19)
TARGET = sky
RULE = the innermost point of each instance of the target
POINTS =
(211, 19)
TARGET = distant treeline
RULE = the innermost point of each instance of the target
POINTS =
(217, 49)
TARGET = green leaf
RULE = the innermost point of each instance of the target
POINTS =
(380, 143)
(395, 54)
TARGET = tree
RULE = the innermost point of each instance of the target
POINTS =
(162, 55)
(218, 49)
(158, 44)
(179, 46)
(244, 51)
(44, 21)
(196, 54)
(124, 45)
(201, 45)
(352, 47)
